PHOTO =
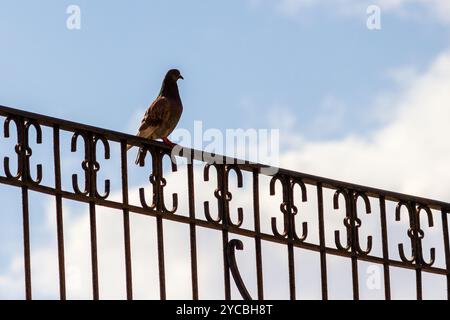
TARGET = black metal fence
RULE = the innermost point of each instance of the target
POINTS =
(289, 236)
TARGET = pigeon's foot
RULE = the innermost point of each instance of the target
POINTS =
(168, 142)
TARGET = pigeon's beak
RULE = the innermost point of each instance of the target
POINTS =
(180, 77)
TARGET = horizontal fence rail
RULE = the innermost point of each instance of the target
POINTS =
(355, 200)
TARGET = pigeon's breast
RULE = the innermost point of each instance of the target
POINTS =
(174, 115)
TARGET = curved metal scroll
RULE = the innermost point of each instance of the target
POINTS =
(232, 246)
(223, 195)
(288, 208)
(90, 165)
(351, 221)
(217, 194)
(23, 149)
(347, 221)
(157, 181)
(358, 223)
(415, 233)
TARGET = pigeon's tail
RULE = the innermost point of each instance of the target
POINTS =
(140, 157)
(140, 154)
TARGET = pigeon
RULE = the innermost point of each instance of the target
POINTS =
(164, 113)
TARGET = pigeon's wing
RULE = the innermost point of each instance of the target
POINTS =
(155, 116)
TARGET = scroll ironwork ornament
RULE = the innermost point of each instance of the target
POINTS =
(23, 149)
(232, 246)
(157, 180)
(90, 164)
(415, 233)
(351, 221)
(288, 208)
(223, 195)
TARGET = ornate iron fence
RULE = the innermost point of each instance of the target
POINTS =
(289, 236)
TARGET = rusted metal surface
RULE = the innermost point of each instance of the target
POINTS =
(87, 190)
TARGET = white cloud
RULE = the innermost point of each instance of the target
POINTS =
(410, 154)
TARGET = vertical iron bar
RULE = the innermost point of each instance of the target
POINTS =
(158, 168)
(226, 267)
(59, 212)
(94, 259)
(323, 255)
(355, 279)
(91, 152)
(223, 210)
(26, 243)
(291, 271)
(22, 140)
(161, 266)
(384, 236)
(418, 250)
(419, 283)
(192, 229)
(446, 248)
(259, 272)
(126, 219)
(291, 260)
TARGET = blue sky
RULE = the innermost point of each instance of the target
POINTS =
(240, 61)
(246, 64)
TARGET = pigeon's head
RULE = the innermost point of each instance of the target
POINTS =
(174, 75)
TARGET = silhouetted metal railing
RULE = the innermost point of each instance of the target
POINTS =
(288, 236)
